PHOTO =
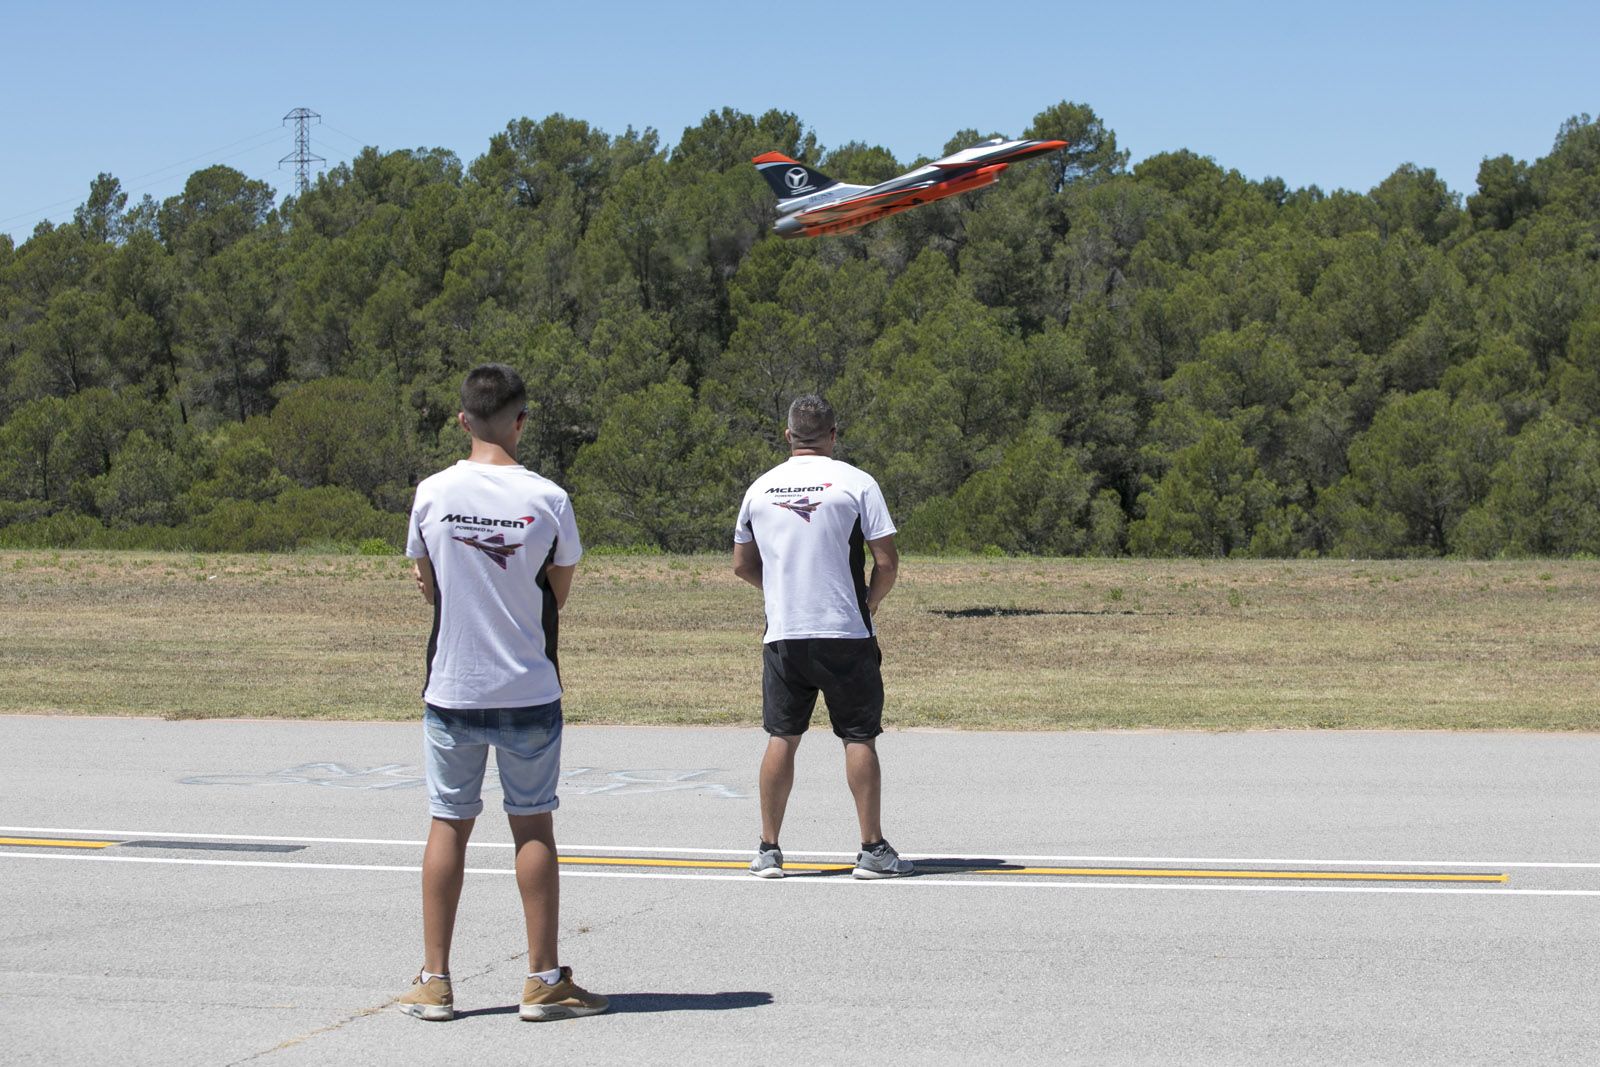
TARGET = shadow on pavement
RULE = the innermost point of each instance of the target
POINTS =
(640, 1003)
(960, 865)
(626, 1003)
(503, 1009)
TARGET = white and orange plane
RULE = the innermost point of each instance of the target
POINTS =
(811, 204)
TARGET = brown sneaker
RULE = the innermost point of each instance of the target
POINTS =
(564, 1000)
(431, 1000)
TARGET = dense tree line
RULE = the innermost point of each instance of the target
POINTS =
(1167, 359)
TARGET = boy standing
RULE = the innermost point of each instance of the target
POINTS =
(494, 547)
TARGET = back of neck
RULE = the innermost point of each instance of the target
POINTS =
(492, 453)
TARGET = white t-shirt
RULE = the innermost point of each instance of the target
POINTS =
(490, 533)
(811, 518)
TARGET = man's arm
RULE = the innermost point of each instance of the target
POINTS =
(747, 562)
(560, 579)
(422, 571)
(885, 568)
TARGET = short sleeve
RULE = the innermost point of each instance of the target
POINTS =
(416, 547)
(743, 532)
(875, 521)
(569, 548)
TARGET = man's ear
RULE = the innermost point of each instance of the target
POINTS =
(788, 438)
(461, 420)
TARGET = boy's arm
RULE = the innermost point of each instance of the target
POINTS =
(560, 579)
(422, 571)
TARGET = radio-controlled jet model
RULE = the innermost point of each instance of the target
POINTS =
(811, 204)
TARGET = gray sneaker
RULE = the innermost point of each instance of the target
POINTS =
(768, 864)
(881, 861)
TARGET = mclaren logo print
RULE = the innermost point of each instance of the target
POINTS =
(790, 490)
(493, 546)
(802, 507)
(478, 520)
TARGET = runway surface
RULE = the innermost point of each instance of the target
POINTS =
(232, 892)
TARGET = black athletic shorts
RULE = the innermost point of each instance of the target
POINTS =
(846, 672)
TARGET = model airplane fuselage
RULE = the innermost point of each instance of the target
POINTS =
(811, 204)
(494, 547)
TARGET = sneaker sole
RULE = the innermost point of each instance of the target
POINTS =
(769, 872)
(860, 872)
(433, 1013)
(543, 1013)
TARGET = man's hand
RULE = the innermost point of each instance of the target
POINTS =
(422, 571)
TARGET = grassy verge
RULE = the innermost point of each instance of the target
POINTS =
(979, 644)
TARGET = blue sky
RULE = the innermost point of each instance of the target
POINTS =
(1336, 95)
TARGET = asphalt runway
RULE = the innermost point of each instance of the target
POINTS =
(244, 892)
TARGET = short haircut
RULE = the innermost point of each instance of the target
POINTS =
(810, 419)
(490, 390)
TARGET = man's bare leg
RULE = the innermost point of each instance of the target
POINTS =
(539, 882)
(444, 864)
(777, 778)
(866, 785)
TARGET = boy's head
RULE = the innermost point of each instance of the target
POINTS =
(492, 399)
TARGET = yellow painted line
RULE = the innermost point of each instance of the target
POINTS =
(639, 861)
(1309, 876)
(1092, 872)
(51, 842)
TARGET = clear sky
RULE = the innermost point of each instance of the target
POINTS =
(1333, 94)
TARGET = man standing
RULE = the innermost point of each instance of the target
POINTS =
(801, 538)
(495, 546)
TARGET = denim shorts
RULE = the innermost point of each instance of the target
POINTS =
(527, 750)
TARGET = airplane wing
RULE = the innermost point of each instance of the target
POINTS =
(842, 209)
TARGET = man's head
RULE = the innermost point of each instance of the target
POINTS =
(811, 424)
(493, 398)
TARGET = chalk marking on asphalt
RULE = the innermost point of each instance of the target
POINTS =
(46, 842)
(1234, 861)
(1384, 888)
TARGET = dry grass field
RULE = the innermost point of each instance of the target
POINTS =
(973, 643)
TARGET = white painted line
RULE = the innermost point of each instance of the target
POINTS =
(798, 853)
(745, 879)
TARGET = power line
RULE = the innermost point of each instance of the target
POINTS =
(74, 201)
(346, 136)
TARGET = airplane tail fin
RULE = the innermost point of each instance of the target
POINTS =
(789, 178)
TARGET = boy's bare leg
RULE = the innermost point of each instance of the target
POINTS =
(444, 864)
(539, 882)
(866, 785)
(777, 778)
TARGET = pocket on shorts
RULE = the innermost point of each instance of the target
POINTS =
(444, 728)
(528, 731)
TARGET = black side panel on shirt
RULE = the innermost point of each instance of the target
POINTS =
(858, 564)
(433, 638)
(550, 618)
